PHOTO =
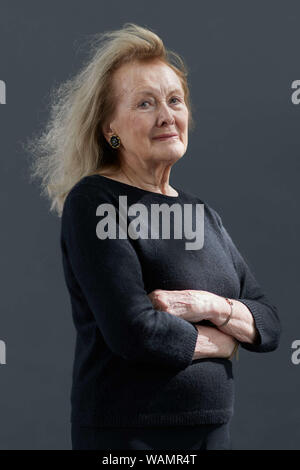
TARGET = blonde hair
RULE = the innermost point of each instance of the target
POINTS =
(72, 144)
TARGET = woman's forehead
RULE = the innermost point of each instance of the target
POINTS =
(150, 77)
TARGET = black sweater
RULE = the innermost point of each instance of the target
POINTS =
(134, 364)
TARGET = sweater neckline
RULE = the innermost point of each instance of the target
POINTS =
(130, 186)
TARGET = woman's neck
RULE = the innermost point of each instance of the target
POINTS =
(122, 176)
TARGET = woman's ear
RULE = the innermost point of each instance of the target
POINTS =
(107, 131)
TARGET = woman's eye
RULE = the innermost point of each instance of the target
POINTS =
(143, 103)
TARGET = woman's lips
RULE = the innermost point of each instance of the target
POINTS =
(166, 138)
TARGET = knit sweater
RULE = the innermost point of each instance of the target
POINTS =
(133, 364)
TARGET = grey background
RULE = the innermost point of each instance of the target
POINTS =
(242, 158)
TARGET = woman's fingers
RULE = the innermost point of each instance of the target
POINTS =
(191, 305)
(180, 303)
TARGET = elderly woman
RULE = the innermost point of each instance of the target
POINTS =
(158, 318)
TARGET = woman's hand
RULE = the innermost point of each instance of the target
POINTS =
(212, 342)
(191, 305)
(195, 306)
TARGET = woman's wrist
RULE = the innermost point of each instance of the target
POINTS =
(230, 303)
(222, 311)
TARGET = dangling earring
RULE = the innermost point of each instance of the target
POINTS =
(115, 141)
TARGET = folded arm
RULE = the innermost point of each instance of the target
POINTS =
(254, 321)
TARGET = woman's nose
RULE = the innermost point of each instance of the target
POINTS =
(165, 115)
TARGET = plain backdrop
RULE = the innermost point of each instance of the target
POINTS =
(242, 158)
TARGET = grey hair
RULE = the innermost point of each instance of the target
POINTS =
(72, 144)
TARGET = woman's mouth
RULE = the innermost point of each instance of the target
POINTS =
(166, 137)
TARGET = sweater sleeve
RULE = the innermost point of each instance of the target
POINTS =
(251, 294)
(109, 274)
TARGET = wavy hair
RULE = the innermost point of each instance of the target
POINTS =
(72, 145)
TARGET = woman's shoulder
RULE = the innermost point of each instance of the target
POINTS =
(210, 212)
(86, 183)
(189, 196)
(90, 186)
(87, 191)
(192, 197)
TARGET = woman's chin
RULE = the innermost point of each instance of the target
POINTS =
(168, 152)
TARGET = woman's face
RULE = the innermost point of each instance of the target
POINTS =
(149, 102)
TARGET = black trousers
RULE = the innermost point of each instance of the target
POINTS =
(202, 437)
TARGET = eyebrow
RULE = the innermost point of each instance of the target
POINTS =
(150, 92)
